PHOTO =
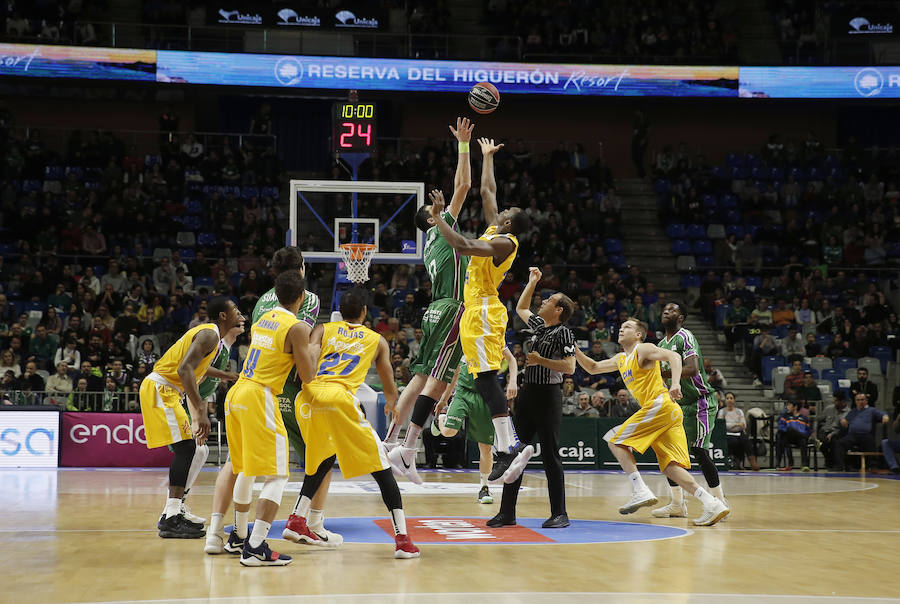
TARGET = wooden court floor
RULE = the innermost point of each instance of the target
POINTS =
(89, 536)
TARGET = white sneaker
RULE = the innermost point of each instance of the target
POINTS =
(727, 505)
(712, 514)
(388, 447)
(672, 510)
(638, 500)
(401, 468)
(517, 466)
(326, 537)
(215, 544)
(189, 516)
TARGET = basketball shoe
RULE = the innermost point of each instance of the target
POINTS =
(712, 513)
(262, 556)
(234, 545)
(672, 510)
(326, 538)
(484, 495)
(401, 467)
(405, 548)
(176, 527)
(297, 531)
(500, 520)
(640, 498)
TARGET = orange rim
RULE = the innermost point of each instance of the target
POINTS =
(357, 251)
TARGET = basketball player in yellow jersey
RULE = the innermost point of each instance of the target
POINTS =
(482, 328)
(174, 376)
(279, 341)
(332, 421)
(658, 423)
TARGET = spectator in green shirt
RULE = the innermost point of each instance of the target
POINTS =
(43, 347)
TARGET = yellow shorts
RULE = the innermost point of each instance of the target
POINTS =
(165, 420)
(659, 426)
(482, 332)
(257, 440)
(332, 423)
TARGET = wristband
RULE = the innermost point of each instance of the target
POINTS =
(463, 147)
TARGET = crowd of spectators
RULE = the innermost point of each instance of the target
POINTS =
(52, 21)
(699, 31)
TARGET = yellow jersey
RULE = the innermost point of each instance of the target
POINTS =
(267, 364)
(167, 366)
(347, 353)
(482, 277)
(645, 384)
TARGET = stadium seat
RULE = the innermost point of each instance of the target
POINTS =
(681, 247)
(207, 239)
(612, 246)
(728, 202)
(688, 281)
(842, 364)
(820, 363)
(735, 229)
(661, 186)
(685, 263)
(832, 376)
(721, 311)
(824, 339)
(769, 363)
(203, 282)
(705, 261)
(732, 217)
(676, 230)
(161, 252)
(187, 254)
(872, 364)
(752, 281)
(709, 202)
(617, 260)
(778, 376)
(696, 231)
(185, 239)
(715, 231)
(883, 354)
(703, 247)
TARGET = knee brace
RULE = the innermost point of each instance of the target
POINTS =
(274, 488)
(243, 489)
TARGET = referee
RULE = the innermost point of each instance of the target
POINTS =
(539, 406)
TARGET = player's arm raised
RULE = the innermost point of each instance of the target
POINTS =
(298, 339)
(205, 341)
(651, 352)
(594, 367)
(385, 371)
(523, 306)
(488, 182)
(462, 181)
(498, 247)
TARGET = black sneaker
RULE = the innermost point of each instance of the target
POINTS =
(557, 521)
(176, 527)
(484, 495)
(499, 521)
(262, 556)
(199, 527)
(501, 465)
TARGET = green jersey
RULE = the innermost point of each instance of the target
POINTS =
(209, 385)
(446, 267)
(308, 313)
(696, 390)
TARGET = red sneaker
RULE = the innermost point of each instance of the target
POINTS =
(296, 530)
(405, 547)
(785, 469)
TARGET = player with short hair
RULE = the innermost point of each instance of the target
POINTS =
(482, 329)
(257, 438)
(333, 422)
(174, 376)
(288, 258)
(467, 404)
(657, 424)
(699, 405)
(440, 350)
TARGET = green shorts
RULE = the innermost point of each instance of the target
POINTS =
(468, 404)
(292, 388)
(698, 423)
(440, 349)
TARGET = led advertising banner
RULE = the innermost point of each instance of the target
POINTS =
(296, 15)
(820, 82)
(228, 69)
(77, 62)
(109, 440)
(29, 439)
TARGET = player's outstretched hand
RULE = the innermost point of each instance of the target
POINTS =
(675, 392)
(534, 274)
(463, 130)
(200, 429)
(437, 203)
(488, 147)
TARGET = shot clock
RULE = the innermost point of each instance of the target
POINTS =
(353, 127)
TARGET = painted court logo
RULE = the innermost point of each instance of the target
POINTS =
(868, 82)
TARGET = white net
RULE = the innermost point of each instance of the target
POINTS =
(357, 257)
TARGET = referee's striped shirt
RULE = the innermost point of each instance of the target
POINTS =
(556, 342)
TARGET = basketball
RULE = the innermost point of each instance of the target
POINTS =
(484, 97)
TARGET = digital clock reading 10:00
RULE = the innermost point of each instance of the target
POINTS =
(353, 127)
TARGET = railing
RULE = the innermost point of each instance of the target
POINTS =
(100, 401)
(278, 41)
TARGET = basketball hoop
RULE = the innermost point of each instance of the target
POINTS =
(357, 257)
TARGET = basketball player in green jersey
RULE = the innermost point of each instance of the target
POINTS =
(699, 405)
(285, 259)
(440, 350)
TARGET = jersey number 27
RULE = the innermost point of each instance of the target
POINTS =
(334, 359)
